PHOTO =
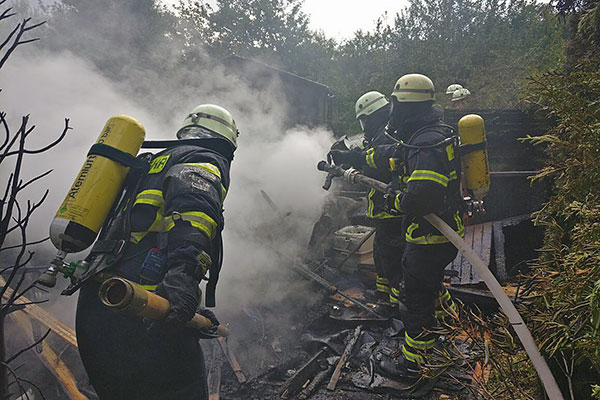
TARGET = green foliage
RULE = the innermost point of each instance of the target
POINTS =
(566, 300)
(490, 46)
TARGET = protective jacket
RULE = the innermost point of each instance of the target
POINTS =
(382, 172)
(432, 171)
(177, 210)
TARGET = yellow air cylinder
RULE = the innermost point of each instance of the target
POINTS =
(471, 130)
(99, 182)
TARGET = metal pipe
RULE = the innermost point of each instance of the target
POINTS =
(127, 297)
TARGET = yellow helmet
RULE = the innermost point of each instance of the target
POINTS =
(413, 88)
(212, 117)
(368, 103)
(453, 88)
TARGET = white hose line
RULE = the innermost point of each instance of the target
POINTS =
(508, 307)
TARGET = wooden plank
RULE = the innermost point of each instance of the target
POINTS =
(44, 317)
(233, 362)
(52, 361)
(477, 242)
(352, 339)
(465, 267)
(498, 239)
(486, 245)
(214, 372)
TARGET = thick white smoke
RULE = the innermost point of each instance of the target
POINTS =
(281, 163)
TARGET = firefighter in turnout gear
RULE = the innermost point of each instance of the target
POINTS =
(174, 229)
(432, 170)
(372, 111)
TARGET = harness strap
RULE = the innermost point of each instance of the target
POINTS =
(120, 156)
(470, 148)
(108, 246)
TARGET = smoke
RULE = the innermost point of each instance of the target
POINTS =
(282, 163)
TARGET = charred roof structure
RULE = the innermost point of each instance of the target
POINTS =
(311, 101)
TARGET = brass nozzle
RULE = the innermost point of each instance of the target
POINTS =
(128, 297)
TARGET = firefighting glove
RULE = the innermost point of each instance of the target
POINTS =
(180, 287)
(210, 333)
(392, 200)
(347, 157)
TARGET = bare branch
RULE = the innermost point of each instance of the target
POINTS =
(36, 387)
(21, 187)
(6, 14)
(31, 346)
(43, 149)
(6, 129)
(10, 35)
(19, 245)
(24, 121)
(22, 28)
(17, 379)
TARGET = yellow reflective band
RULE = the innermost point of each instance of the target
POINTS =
(419, 344)
(397, 201)
(384, 280)
(395, 292)
(429, 239)
(371, 158)
(148, 287)
(410, 356)
(450, 152)
(371, 208)
(382, 288)
(445, 295)
(136, 237)
(152, 197)
(393, 300)
(370, 203)
(428, 175)
(156, 226)
(213, 169)
(197, 219)
(452, 175)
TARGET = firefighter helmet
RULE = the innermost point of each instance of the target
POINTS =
(368, 103)
(460, 94)
(212, 117)
(453, 88)
(413, 88)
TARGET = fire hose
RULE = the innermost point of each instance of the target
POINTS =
(127, 297)
(516, 320)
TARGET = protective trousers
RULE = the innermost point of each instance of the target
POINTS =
(388, 247)
(125, 361)
(423, 275)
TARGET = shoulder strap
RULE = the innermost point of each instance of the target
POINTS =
(119, 156)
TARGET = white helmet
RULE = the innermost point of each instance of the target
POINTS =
(460, 94)
(453, 88)
(214, 118)
(413, 88)
(368, 103)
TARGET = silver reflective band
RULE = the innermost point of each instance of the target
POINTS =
(198, 115)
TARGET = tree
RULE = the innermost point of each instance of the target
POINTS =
(269, 30)
(16, 212)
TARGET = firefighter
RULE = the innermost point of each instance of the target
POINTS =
(372, 111)
(175, 225)
(459, 97)
(451, 89)
(432, 169)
